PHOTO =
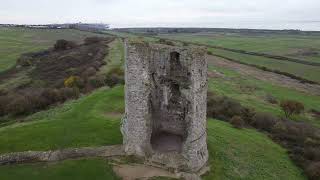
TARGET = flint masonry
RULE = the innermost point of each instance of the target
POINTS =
(166, 93)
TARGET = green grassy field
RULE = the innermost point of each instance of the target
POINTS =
(296, 46)
(15, 41)
(94, 120)
(284, 45)
(234, 154)
(301, 70)
(82, 169)
(272, 44)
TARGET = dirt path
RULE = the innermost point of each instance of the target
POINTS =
(60, 155)
(138, 171)
(274, 78)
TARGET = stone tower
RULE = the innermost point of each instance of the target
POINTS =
(166, 96)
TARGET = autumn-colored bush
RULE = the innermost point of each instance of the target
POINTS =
(291, 107)
(237, 122)
(64, 45)
(72, 81)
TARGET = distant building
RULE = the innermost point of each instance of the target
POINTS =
(80, 26)
(90, 27)
(37, 26)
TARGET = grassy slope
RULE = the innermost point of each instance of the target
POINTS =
(284, 45)
(82, 169)
(15, 41)
(91, 121)
(83, 122)
(246, 154)
(94, 120)
(230, 85)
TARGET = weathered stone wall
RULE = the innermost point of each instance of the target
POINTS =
(166, 89)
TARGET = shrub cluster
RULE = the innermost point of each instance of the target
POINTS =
(185, 44)
(90, 80)
(33, 100)
(115, 76)
(92, 40)
(167, 42)
(301, 139)
(237, 122)
(59, 75)
(303, 142)
(224, 108)
(97, 81)
(64, 45)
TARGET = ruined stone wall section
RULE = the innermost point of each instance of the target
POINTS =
(135, 125)
(197, 147)
(148, 89)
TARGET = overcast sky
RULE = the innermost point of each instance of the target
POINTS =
(272, 14)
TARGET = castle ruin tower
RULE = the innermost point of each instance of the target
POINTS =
(166, 101)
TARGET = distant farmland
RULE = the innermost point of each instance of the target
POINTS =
(301, 47)
(305, 47)
(14, 41)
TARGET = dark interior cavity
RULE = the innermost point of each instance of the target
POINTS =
(167, 142)
(169, 108)
(175, 64)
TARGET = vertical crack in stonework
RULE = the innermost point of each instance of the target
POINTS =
(166, 88)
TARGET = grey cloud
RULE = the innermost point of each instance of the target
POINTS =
(204, 13)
